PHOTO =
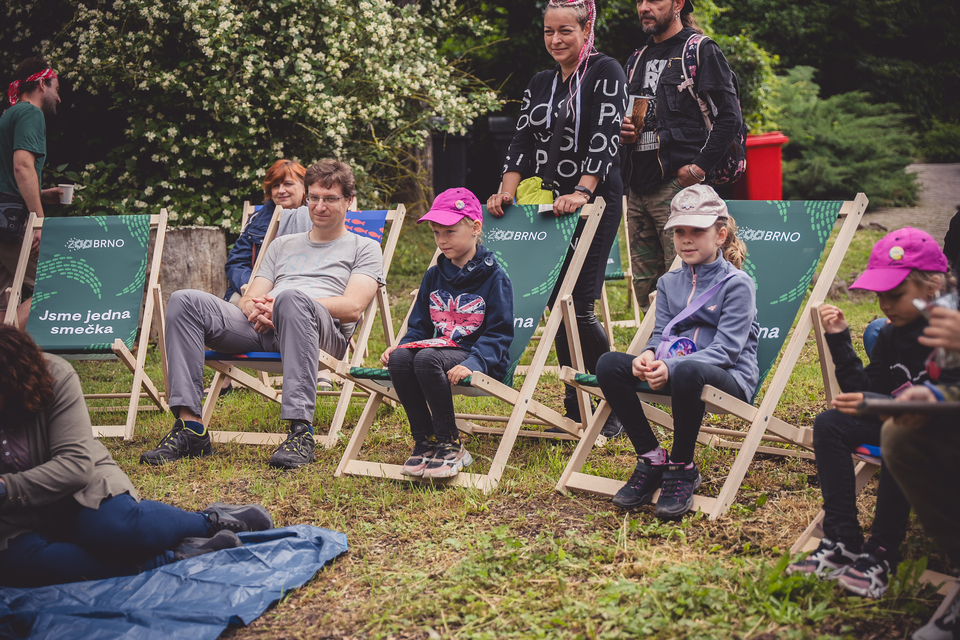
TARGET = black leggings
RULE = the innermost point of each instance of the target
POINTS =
(420, 378)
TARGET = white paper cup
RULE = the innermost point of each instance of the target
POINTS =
(66, 197)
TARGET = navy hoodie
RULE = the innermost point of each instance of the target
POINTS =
(472, 307)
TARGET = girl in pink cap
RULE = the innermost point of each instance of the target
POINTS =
(905, 265)
(461, 323)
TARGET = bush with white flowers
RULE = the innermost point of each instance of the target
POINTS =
(210, 93)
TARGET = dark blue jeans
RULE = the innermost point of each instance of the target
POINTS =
(122, 537)
(835, 436)
(689, 377)
(420, 378)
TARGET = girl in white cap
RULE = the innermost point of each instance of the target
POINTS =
(705, 334)
(461, 323)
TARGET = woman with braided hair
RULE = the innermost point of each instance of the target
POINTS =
(586, 91)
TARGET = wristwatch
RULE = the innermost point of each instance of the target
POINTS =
(582, 189)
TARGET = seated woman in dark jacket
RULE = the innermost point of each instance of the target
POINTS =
(282, 186)
(67, 511)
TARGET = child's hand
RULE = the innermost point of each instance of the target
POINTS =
(848, 402)
(496, 202)
(641, 364)
(943, 331)
(658, 374)
(832, 318)
(458, 373)
(385, 358)
(916, 393)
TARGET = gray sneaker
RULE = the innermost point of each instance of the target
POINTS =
(238, 517)
(193, 547)
(449, 458)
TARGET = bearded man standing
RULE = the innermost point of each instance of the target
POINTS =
(666, 143)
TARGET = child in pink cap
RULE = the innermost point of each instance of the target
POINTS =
(461, 323)
(905, 265)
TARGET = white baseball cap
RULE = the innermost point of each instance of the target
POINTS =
(696, 206)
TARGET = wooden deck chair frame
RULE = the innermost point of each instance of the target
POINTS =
(224, 370)
(608, 322)
(526, 410)
(764, 426)
(143, 386)
(864, 470)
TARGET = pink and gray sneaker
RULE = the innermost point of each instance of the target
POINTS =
(423, 453)
(867, 576)
(828, 559)
(448, 460)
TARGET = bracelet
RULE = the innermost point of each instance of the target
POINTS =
(504, 193)
(584, 190)
(694, 173)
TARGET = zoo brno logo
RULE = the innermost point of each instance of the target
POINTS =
(76, 244)
(757, 235)
(503, 235)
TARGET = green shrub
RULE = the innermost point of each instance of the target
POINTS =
(941, 143)
(203, 96)
(842, 145)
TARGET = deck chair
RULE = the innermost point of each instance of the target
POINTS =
(92, 275)
(370, 224)
(615, 273)
(866, 466)
(785, 241)
(531, 246)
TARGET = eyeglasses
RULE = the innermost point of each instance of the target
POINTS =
(327, 200)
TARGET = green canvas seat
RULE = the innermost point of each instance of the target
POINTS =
(531, 247)
(92, 275)
(785, 242)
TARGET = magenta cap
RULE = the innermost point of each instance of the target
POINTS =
(896, 255)
(451, 206)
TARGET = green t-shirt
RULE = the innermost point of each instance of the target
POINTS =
(21, 127)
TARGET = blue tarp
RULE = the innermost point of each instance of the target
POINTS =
(195, 599)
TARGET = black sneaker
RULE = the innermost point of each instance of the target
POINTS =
(868, 576)
(238, 517)
(827, 559)
(296, 450)
(676, 495)
(612, 428)
(193, 547)
(640, 487)
(179, 443)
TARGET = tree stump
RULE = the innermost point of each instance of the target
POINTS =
(193, 258)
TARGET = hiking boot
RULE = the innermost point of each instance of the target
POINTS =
(676, 493)
(612, 428)
(640, 487)
(828, 558)
(449, 458)
(867, 576)
(193, 547)
(423, 453)
(179, 443)
(238, 517)
(946, 627)
(296, 450)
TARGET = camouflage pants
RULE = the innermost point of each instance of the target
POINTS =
(651, 248)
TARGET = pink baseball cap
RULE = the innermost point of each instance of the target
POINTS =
(452, 206)
(896, 255)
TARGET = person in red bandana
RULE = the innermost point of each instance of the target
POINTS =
(23, 152)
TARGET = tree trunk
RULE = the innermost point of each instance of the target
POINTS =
(193, 258)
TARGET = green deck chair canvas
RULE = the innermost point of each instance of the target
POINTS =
(531, 247)
(91, 280)
(785, 241)
(615, 272)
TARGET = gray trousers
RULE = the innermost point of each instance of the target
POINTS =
(303, 327)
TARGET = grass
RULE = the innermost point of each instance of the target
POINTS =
(524, 561)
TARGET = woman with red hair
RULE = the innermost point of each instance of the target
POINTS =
(67, 511)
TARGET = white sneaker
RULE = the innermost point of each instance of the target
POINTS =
(946, 627)
(449, 458)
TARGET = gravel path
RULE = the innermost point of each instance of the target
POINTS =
(939, 198)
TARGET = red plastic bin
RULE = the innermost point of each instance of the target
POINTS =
(763, 178)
